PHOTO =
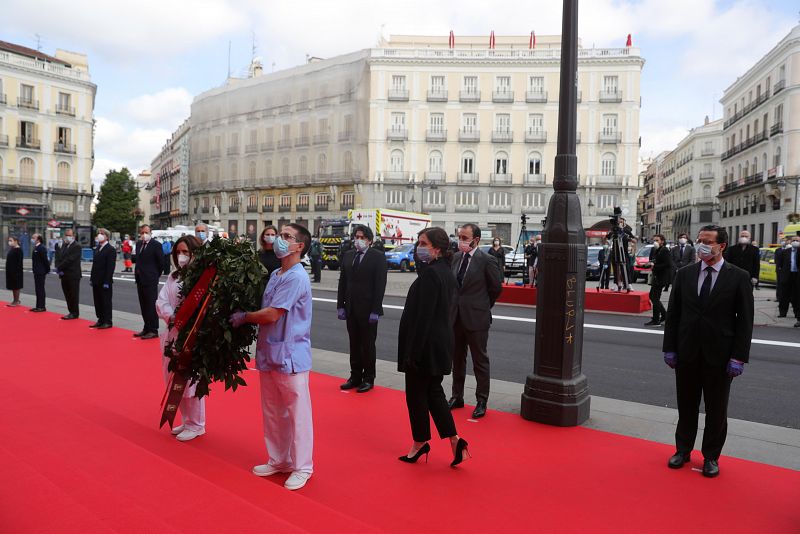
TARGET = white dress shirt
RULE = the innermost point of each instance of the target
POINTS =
(714, 274)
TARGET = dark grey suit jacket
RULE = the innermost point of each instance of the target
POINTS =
(482, 285)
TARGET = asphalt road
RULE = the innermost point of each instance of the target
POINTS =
(621, 358)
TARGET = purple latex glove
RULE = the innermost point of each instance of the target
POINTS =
(341, 314)
(106, 286)
(237, 318)
(60, 273)
(735, 368)
(671, 359)
(373, 318)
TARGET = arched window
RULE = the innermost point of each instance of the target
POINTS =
(62, 172)
(777, 157)
(435, 161)
(285, 167)
(251, 172)
(755, 164)
(322, 164)
(746, 168)
(608, 164)
(396, 161)
(348, 162)
(534, 163)
(303, 166)
(27, 168)
(739, 172)
(468, 163)
(764, 160)
(501, 163)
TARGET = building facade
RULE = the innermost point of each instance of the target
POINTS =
(145, 185)
(467, 134)
(46, 142)
(169, 201)
(761, 158)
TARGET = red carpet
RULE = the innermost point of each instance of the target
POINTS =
(80, 452)
(594, 299)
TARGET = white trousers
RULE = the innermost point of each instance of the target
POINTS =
(193, 410)
(288, 426)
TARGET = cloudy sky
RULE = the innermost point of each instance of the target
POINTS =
(150, 57)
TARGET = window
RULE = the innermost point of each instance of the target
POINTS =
(502, 122)
(610, 84)
(206, 203)
(235, 140)
(322, 199)
(468, 163)
(503, 84)
(438, 84)
(398, 122)
(536, 84)
(285, 167)
(396, 161)
(437, 122)
(234, 171)
(27, 131)
(534, 163)
(63, 172)
(304, 130)
(535, 123)
(434, 197)
(777, 158)
(470, 122)
(268, 168)
(533, 200)
(322, 126)
(348, 123)
(470, 84)
(233, 201)
(251, 171)
(252, 201)
(64, 136)
(322, 164)
(286, 201)
(269, 135)
(348, 199)
(64, 103)
(778, 117)
(606, 201)
(398, 82)
(499, 199)
(303, 200)
(609, 124)
(348, 162)
(395, 196)
(268, 202)
(26, 93)
(435, 161)
(466, 198)
(608, 165)
(253, 137)
(501, 163)
(27, 169)
(303, 166)
(707, 192)
(287, 132)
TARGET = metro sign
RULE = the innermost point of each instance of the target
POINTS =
(53, 223)
(23, 211)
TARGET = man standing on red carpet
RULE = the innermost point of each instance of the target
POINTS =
(707, 341)
(283, 357)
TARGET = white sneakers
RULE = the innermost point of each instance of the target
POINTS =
(177, 430)
(296, 481)
(189, 435)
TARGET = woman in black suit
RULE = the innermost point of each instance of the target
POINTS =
(499, 254)
(425, 346)
(14, 270)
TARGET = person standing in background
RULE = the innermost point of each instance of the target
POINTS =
(790, 276)
(102, 278)
(661, 265)
(746, 256)
(51, 248)
(127, 249)
(149, 263)
(201, 232)
(531, 251)
(14, 270)
(166, 247)
(499, 254)
(68, 267)
(784, 247)
(41, 266)
(266, 255)
(316, 260)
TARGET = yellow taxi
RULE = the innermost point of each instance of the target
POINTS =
(767, 272)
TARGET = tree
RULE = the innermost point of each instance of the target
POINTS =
(117, 203)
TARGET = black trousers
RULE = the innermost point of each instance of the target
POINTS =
(424, 395)
(316, 268)
(362, 348)
(72, 290)
(38, 282)
(659, 313)
(102, 303)
(476, 342)
(790, 293)
(693, 381)
(148, 293)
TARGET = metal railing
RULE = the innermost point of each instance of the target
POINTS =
(469, 96)
(433, 177)
(322, 139)
(779, 86)
(65, 110)
(214, 153)
(469, 135)
(536, 97)
(609, 137)
(763, 97)
(776, 128)
(27, 103)
(3, 140)
(535, 136)
(707, 152)
(233, 151)
(534, 179)
(302, 141)
(503, 97)
(607, 180)
(284, 143)
(345, 136)
(610, 96)
(29, 142)
(437, 95)
(398, 95)
(468, 178)
(3, 98)
(502, 136)
(439, 136)
(396, 177)
(500, 178)
(267, 145)
(397, 134)
(63, 148)
(706, 175)
(252, 147)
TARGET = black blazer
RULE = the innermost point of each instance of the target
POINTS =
(688, 256)
(425, 340)
(662, 265)
(149, 262)
(41, 263)
(14, 268)
(482, 284)
(361, 290)
(747, 258)
(103, 264)
(783, 264)
(718, 331)
(68, 260)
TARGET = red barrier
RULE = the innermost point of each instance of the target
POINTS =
(604, 300)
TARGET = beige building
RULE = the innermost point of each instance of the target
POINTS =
(145, 185)
(169, 201)
(761, 156)
(466, 134)
(46, 141)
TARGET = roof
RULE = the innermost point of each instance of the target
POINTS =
(30, 52)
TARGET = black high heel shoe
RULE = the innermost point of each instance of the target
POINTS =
(461, 448)
(425, 449)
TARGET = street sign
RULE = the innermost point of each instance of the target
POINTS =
(23, 211)
(53, 223)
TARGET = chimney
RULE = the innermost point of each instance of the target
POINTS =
(706, 122)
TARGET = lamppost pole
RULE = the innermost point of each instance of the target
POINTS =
(557, 391)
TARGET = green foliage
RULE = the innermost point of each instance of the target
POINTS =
(117, 203)
(221, 352)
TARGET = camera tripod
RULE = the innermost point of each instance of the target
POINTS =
(520, 243)
(618, 262)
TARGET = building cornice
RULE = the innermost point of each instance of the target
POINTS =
(48, 71)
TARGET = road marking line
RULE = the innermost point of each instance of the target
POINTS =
(595, 326)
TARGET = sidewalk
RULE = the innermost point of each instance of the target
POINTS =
(747, 440)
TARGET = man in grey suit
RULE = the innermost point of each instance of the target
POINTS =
(479, 285)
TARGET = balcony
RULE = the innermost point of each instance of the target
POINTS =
(27, 103)
(204, 209)
(708, 175)
(500, 179)
(611, 137)
(302, 207)
(610, 97)
(469, 135)
(267, 146)
(534, 179)
(233, 209)
(776, 129)
(436, 136)
(397, 133)
(535, 136)
(503, 97)
(502, 136)
(536, 97)
(63, 148)
(302, 106)
(322, 139)
(252, 116)
(284, 109)
(3, 140)
(284, 144)
(780, 85)
(499, 208)
(65, 110)
(283, 208)
(433, 177)
(396, 177)
(747, 109)
(302, 141)
(252, 209)
(707, 152)
(251, 148)
(437, 95)
(233, 151)
(267, 208)
(301, 180)
(469, 95)
(346, 177)
(398, 94)
(345, 98)
(468, 178)
(344, 137)
(323, 102)
(467, 207)
(603, 180)
(322, 207)
(214, 153)
(29, 143)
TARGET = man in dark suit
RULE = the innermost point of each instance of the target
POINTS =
(784, 247)
(683, 253)
(102, 278)
(789, 270)
(68, 267)
(707, 342)
(362, 283)
(149, 261)
(745, 256)
(41, 266)
(479, 284)
(661, 263)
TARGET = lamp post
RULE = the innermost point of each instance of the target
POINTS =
(557, 391)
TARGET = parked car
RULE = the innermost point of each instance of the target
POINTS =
(593, 267)
(515, 260)
(641, 265)
(767, 273)
(401, 257)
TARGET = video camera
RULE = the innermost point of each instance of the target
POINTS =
(614, 219)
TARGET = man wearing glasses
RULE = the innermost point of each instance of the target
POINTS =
(283, 358)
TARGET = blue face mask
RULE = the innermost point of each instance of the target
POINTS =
(424, 254)
(281, 247)
(201, 236)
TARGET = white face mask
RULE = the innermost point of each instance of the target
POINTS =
(68, 239)
(682, 241)
(145, 237)
(361, 245)
(269, 239)
(705, 252)
(656, 244)
(101, 238)
(183, 260)
(744, 240)
(10, 243)
(795, 244)
(465, 246)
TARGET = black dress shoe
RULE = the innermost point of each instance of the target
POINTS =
(678, 459)
(95, 325)
(104, 326)
(37, 310)
(480, 410)
(781, 315)
(455, 403)
(350, 384)
(365, 386)
(710, 468)
(139, 334)
(69, 317)
(149, 335)
(652, 322)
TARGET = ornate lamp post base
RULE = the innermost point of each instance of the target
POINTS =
(556, 402)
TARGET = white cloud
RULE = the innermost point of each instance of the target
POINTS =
(658, 136)
(120, 145)
(169, 106)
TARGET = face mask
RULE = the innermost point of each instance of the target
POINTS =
(361, 244)
(744, 241)
(269, 239)
(682, 241)
(101, 238)
(183, 259)
(145, 237)
(10, 243)
(795, 244)
(201, 236)
(281, 247)
(705, 252)
(656, 244)
(465, 246)
(68, 239)
(605, 247)
(497, 243)
(424, 254)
